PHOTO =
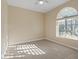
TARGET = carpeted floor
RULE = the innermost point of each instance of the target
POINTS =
(42, 49)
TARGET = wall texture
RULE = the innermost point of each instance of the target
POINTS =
(4, 28)
(50, 25)
(24, 25)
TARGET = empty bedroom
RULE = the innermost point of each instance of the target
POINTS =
(39, 29)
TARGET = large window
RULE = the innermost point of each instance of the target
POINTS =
(67, 23)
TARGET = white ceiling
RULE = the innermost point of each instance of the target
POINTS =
(31, 4)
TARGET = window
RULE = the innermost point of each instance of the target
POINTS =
(67, 23)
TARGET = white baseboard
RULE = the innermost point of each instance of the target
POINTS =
(28, 40)
(62, 44)
(36, 39)
(41, 38)
(2, 55)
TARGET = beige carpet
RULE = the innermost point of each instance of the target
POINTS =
(42, 49)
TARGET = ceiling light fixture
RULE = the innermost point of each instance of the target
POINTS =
(41, 2)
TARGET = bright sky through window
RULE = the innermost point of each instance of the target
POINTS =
(67, 24)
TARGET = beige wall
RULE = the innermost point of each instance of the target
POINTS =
(4, 27)
(24, 25)
(51, 24)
